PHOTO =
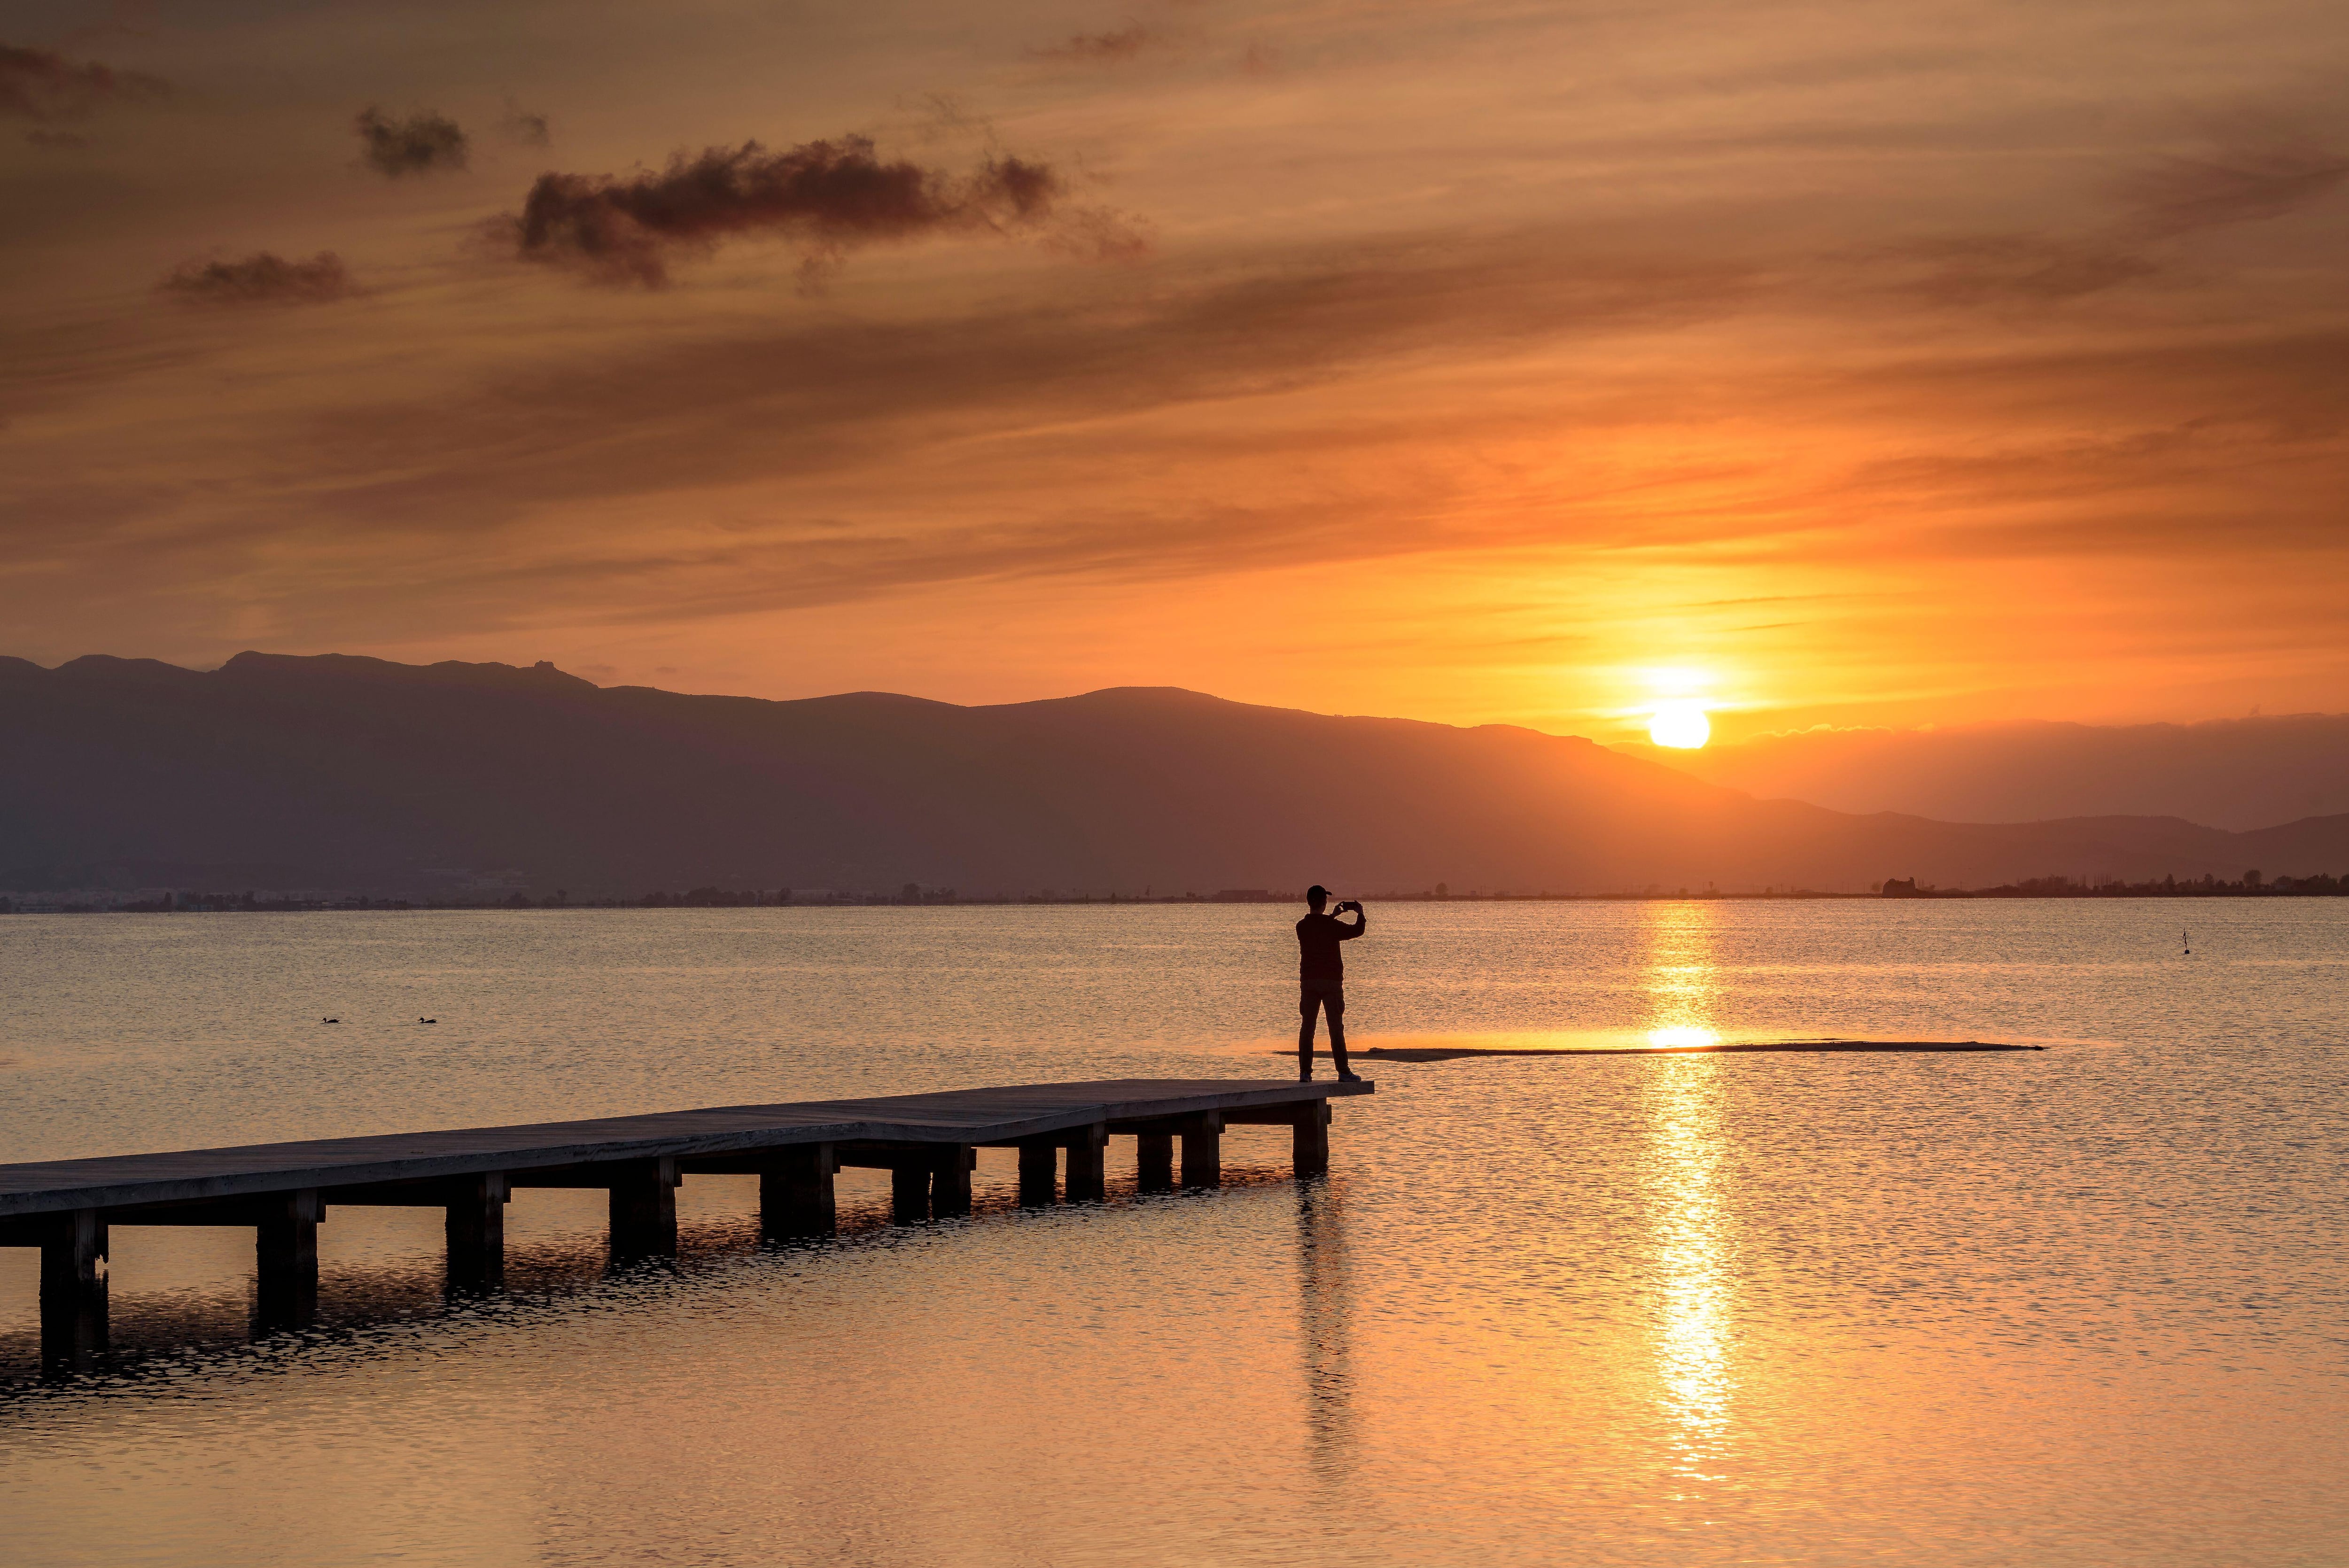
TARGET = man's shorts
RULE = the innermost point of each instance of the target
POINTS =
(1330, 996)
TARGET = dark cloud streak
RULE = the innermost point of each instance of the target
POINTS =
(37, 85)
(417, 144)
(827, 195)
(2026, 268)
(2240, 183)
(1098, 49)
(261, 278)
(530, 129)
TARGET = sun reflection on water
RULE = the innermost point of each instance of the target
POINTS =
(1691, 1229)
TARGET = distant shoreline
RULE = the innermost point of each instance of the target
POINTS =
(245, 904)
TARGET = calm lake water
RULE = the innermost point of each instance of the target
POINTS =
(2079, 1307)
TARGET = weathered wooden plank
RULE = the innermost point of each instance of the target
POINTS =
(235, 1211)
(436, 1193)
(865, 1155)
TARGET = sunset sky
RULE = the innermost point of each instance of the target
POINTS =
(1819, 363)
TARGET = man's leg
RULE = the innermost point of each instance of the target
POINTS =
(1335, 1005)
(1307, 1004)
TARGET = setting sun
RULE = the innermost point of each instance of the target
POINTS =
(1682, 725)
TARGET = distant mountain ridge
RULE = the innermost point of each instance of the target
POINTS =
(2239, 773)
(364, 773)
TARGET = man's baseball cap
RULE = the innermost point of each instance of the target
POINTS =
(1316, 890)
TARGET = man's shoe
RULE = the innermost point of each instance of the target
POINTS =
(1349, 1077)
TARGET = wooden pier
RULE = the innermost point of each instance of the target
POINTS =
(928, 1142)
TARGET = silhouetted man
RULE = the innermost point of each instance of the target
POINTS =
(1321, 976)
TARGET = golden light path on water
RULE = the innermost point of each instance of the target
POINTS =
(1691, 1231)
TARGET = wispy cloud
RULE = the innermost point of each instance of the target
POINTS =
(1099, 48)
(37, 85)
(826, 195)
(417, 144)
(2031, 268)
(2240, 182)
(526, 126)
(261, 278)
(829, 406)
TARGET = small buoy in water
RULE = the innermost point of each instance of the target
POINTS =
(2188, 943)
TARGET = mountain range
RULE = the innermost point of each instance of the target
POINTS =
(335, 772)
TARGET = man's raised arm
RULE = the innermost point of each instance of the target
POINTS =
(1361, 922)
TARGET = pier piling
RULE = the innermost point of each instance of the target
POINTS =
(73, 1290)
(286, 1258)
(1086, 1182)
(477, 1233)
(1203, 1149)
(909, 1193)
(796, 1192)
(1039, 1172)
(644, 1208)
(1153, 1161)
(1309, 1144)
(950, 1181)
